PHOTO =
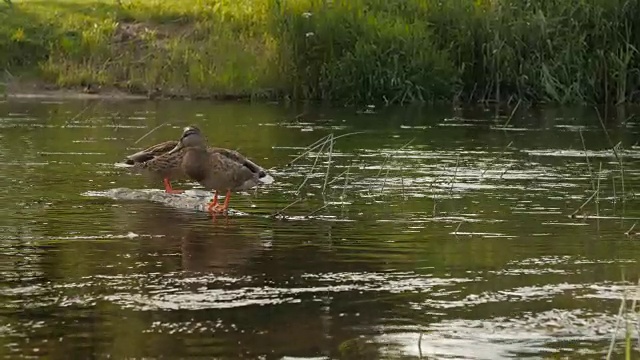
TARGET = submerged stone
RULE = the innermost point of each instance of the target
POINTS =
(191, 199)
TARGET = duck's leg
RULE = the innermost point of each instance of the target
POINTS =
(169, 189)
(214, 201)
(214, 207)
(227, 197)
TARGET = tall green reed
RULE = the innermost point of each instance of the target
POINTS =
(347, 51)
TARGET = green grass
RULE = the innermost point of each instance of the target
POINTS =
(345, 51)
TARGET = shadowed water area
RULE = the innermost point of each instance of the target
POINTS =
(433, 234)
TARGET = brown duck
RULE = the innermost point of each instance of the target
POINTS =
(155, 162)
(216, 169)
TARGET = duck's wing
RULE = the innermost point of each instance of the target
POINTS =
(234, 156)
(222, 163)
(151, 152)
(164, 164)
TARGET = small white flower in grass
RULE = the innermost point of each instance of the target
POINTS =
(309, 34)
(306, 15)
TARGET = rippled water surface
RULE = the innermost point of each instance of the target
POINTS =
(425, 233)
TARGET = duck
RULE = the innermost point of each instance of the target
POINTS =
(217, 169)
(154, 161)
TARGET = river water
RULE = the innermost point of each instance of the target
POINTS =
(422, 233)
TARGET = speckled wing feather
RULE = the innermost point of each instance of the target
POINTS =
(238, 158)
(164, 165)
(151, 152)
(224, 166)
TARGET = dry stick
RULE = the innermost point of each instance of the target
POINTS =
(504, 172)
(386, 175)
(584, 204)
(455, 172)
(84, 110)
(346, 181)
(615, 152)
(628, 233)
(496, 158)
(433, 195)
(458, 228)
(316, 211)
(384, 181)
(312, 169)
(435, 203)
(402, 181)
(598, 192)
(147, 134)
(384, 163)
(633, 309)
(598, 199)
(586, 155)
(323, 142)
(280, 212)
(512, 113)
(326, 175)
(344, 190)
(615, 330)
(337, 177)
(613, 182)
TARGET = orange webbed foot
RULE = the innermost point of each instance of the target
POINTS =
(168, 189)
(217, 209)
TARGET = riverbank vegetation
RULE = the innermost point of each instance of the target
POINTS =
(346, 51)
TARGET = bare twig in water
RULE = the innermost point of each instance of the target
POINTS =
(496, 158)
(615, 330)
(586, 155)
(149, 133)
(346, 182)
(85, 110)
(420, 346)
(281, 211)
(402, 181)
(455, 173)
(386, 160)
(512, 113)
(384, 181)
(113, 117)
(629, 232)
(573, 215)
(315, 162)
(322, 142)
(316, 211)
(326, 175)
(598, 192)
(458, 228)
(615, 152)
(633, 309)
(613, 182)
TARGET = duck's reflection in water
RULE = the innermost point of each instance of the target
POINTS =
(223, 246)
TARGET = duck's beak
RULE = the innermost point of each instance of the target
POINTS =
(177, 148)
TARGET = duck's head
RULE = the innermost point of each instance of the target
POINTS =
(191, 137)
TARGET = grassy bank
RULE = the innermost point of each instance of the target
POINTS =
(348, 51)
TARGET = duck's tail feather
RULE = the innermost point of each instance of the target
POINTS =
(265, 178)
